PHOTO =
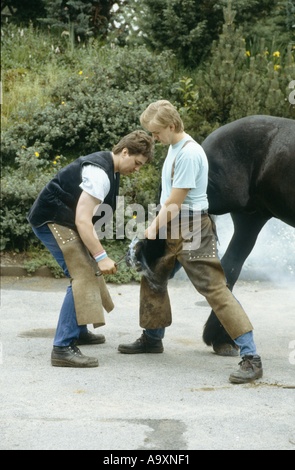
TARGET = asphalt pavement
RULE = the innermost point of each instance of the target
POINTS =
(180, 400)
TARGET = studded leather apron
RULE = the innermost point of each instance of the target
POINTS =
(90, 292)
(204, 270)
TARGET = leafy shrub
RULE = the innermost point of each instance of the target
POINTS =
(44, 258)
(89, 111)
(19, 188)
(94, 108)
(100, 95)
(234, 82)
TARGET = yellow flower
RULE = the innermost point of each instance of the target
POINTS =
(54, 162)
(248, 53)
(62, 102)
(134, 216)
(37, 154)
(81, 72)
(277, 54)
(57, 157)
(276, 68)
(24, 147)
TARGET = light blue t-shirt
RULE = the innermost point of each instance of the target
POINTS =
(190, 171)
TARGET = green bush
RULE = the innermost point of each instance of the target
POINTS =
(19, 188)
(234, 82)
(90, 110)
(84, 99)
(93, 108)
(43, 258)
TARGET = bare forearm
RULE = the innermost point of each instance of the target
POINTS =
(168, 212)
(89, 238)
(84, 213)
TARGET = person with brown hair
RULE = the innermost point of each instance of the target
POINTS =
(62, 217)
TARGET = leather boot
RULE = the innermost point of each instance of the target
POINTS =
(89, 338)
(250, 370)
(71, 356)
(144, 344)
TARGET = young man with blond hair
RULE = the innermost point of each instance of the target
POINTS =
(183, 196)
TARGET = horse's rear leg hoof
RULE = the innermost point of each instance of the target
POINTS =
(226, 349)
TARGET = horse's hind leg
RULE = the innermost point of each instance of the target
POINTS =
(246, 230)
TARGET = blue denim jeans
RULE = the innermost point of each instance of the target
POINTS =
(67, 329)
(244, 342)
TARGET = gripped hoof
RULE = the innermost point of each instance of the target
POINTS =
(226, 350)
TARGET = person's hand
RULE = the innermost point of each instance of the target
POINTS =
(107, 266)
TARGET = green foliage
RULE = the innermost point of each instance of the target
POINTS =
(188, 27)
(24, 48)
(78, 18)
(95, 103)
(92, 108)
(187, 100)
(270, 20)
(22, 12)
(116, 249)
(290, 20)
(234, 82)
(33, 63)
(63, 100)
(185, 27)
(75, 18)
(19, 188)
(43, 258)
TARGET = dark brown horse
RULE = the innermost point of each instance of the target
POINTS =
(252, 177)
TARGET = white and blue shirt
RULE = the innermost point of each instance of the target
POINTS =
(190, 172)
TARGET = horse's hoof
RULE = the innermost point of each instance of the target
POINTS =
(226, 350)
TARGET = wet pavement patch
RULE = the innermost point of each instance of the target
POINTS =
(38, 333)
(164, 434)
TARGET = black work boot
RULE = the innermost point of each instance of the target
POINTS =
(250, 370)
(71, 356)
(144, 344)
(89, 338)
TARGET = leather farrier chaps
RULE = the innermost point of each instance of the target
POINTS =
(91, 295)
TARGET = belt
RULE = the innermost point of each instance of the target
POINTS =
(203, 212)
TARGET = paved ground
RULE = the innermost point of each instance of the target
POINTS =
(180, 400)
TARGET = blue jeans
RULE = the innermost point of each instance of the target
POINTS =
(244, 342)
(67, 329)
